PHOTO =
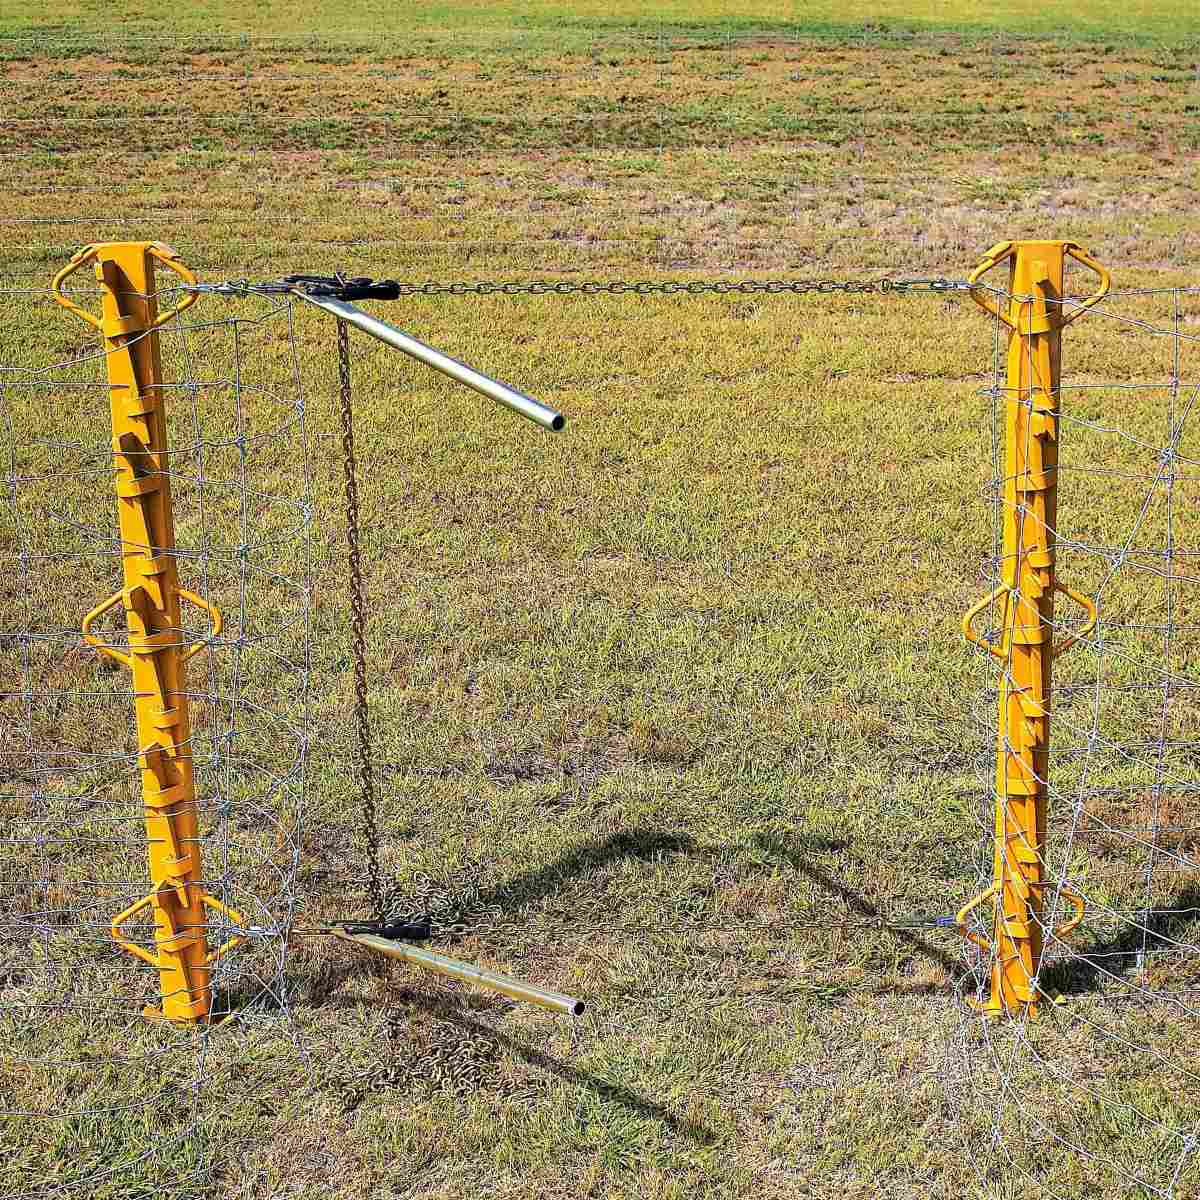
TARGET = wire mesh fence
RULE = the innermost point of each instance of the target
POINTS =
(1094, 1085)
(1092, 1097)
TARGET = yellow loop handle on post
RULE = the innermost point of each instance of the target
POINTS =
(960, 918)
(1080, 255)
(1077, 903)
(235, 918)
(1003, 251)
(164, 254)
(119, 934)
(146, 956)
(992, 258)
(968, 622)
(79, 259)
(1088, 605)
(218, 622)
(95, 642)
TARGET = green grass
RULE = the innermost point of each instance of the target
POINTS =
(696, 660)
(1171, 22)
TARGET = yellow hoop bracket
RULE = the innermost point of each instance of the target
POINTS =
(1004, 251)
(218, 622)
(960, 918)
(1077, 903)
(154, 960)
(1089, 606)
(991, 258)
(156, 250)
(118, 931)
(968, 622)
(235, 918)
(97, 643)
(1080, 255)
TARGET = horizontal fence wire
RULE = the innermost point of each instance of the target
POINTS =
(249, 384)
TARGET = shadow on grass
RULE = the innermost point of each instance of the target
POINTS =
(613, 1093)
(1094, 968)
(525, 888)
(538, 884)
(854, 901)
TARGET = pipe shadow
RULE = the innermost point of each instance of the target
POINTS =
(858, 904)
(626, 1097)
(525, 888)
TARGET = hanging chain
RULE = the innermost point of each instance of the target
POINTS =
(366, 777)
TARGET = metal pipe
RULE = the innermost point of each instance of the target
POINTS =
(539, 413)
(465, 973)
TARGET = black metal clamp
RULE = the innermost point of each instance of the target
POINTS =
(343, 287)
(394, 931)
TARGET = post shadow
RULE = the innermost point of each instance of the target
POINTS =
(1090, 970)
(541, 882)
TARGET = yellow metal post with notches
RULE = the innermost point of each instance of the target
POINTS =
(1036, 316)
(157, 651)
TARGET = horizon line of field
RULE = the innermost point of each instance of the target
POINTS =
(751, 34)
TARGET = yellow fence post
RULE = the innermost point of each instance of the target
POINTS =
(151, 597)
(1036, 316)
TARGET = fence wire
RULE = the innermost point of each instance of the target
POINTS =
(1099, 1079)
(1123, 781)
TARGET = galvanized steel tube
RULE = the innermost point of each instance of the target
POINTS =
(539, 413)
(492, 980)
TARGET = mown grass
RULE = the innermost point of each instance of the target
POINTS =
(548, 23)
(695, 662)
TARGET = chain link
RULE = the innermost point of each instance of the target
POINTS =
(621, 287)
(696, 287)
(366, 776)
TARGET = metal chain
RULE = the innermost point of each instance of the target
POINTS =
(673, 287)
(618, 287)
(366, 777)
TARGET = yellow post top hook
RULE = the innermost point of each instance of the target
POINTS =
(95, 253)
(1003, 251)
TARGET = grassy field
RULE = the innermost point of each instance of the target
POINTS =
(488, 26)
(693, 664)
